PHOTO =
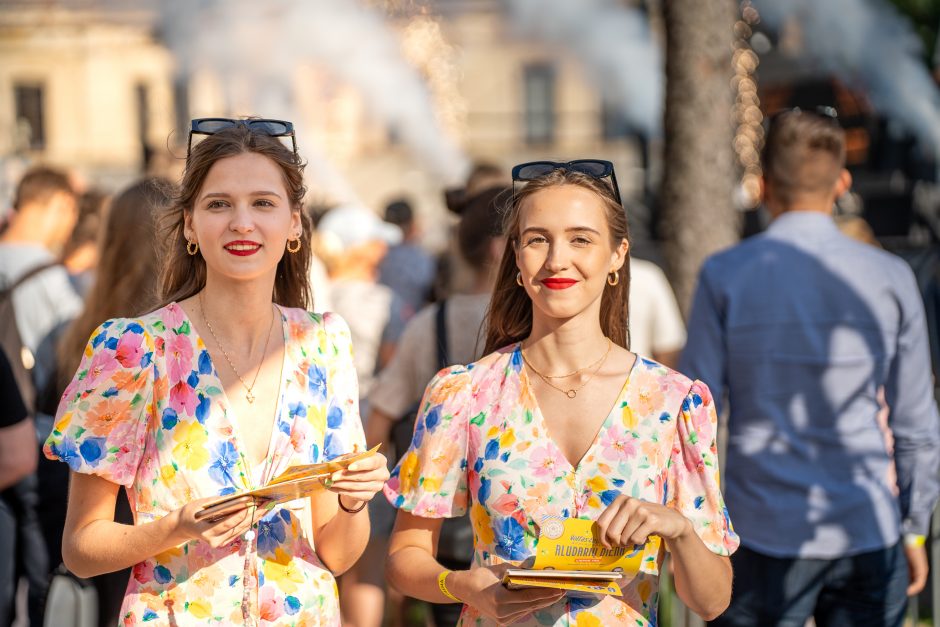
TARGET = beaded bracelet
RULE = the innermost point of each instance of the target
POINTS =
(350, 510)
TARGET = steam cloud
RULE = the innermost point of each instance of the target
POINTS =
(258, 47)
(871, 47)
(614, 44)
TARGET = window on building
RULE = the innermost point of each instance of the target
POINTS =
(614, 124)
(539, 103)
(29, 115)
(142, 98)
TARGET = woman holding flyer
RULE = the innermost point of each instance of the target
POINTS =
(224, 388)
(560, 420)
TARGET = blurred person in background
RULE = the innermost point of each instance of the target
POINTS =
(356, 240)
(656, 327)
(17, 461)
(397, 391)
(125, 285)
(407, 268)
(225, 386)
(810, 334)
(81, 252)
(44, 214)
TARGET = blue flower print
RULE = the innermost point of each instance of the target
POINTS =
(316, 382)
(271, 533)
(224, 458)
(92, 450)
(510, 540)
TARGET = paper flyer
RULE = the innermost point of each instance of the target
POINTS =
(571, 544)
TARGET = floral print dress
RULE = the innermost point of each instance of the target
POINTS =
(481, 442)
(147, 410)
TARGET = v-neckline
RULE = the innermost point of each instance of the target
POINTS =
(527, 383)
(229, 413)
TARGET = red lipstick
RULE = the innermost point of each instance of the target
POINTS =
(243, 247)
(558, 284)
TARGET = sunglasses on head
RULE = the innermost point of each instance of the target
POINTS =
(828, 114)
(211, 126)
(595, 168)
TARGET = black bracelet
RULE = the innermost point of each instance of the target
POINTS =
(349, 510)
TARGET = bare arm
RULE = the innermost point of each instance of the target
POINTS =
(379, 429)
(340, 536)
(413, 570)
(93, 543)
(18, 452)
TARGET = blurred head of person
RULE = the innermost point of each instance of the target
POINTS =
(400, 213)
(81, 250)
(479, 233)
(238, 209)
(126, 279)
(566, 255)
(803, 160)
(354, 241)
(483, 176)
(45, 209)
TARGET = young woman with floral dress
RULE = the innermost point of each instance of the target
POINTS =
(561, 420)
(217, 392)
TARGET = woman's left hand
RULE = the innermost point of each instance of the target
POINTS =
(362, 480)
(628, 521)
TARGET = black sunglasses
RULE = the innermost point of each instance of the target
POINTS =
(211, 126)
(828, 114)
(595, 168)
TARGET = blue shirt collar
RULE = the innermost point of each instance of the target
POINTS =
(803, 222)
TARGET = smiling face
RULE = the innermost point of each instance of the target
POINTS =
(564, 251)
(242, 218)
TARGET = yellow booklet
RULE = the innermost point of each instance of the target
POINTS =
(294, 483)
(569, 557)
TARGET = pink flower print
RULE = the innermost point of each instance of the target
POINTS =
(272, 608)
(174, 316)
(544, 462)
(179, 357)
(645, 395)
(617, 443)
(433, 507)
(507, 504)
(100, 369)
(183, 398)
(130, 350)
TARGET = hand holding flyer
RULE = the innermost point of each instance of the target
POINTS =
(294, 483)
(569, 557)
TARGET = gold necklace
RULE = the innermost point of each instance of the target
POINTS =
(249, 395)
(570, 392)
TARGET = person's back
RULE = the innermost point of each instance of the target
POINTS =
(407, 268)
(804, 328)
(656, 327)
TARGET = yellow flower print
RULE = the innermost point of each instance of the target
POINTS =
(629, 420)
(597, 483)
(407, 474)
(191, 449)
(431, 484)
(167, 472)
(199, 609)
(507, 439)
(284, 571)
(316, 416)
(588, 620)
(481, 523)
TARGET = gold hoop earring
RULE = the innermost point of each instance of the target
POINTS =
(192, 248)
(519, 279)
(613, 281)
(296, 248)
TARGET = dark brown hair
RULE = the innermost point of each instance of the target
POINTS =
(92, 206)
(126, 279)
(39, 184)
(509, 317)
(183, 275)
(481, 220)
(803, 154)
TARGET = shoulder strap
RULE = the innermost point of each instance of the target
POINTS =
(440, 328)
(7, 291)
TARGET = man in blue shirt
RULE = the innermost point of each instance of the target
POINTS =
(806, 331)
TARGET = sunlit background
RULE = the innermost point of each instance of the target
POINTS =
(399, 98)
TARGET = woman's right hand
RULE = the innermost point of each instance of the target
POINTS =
(220, 529)
(482, 588)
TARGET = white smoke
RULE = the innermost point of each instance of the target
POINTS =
(867, 44)
(614, 45)
(258, 49)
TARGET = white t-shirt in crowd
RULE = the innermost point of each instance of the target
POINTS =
(655, 321)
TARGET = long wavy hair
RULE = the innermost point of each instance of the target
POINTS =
(184, 275)
(125, 280)
(509, 317)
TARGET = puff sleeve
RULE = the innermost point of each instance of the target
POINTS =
(102, 419)
(344, 432)
(692, 482)
(430, 480)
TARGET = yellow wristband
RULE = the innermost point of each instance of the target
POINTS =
(914, 540)
(442, 584)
